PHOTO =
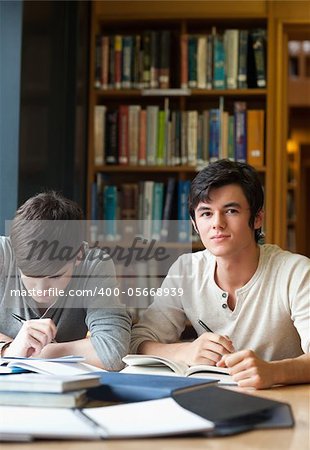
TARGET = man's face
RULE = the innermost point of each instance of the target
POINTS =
(48, 285)
(223, 221)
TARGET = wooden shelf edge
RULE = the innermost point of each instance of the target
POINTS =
(134, 93)
(163, 169)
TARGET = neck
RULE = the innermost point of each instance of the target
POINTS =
(233, 273)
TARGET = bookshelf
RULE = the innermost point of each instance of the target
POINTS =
(182, 96)
(194, 21)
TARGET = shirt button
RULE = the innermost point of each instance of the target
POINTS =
(224, 295)
(224, 305)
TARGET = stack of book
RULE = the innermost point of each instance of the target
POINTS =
(47, 383)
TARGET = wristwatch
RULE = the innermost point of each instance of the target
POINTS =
(3, 346)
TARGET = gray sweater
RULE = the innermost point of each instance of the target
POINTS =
(98, 310)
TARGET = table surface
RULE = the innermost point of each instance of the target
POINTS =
(296, 438)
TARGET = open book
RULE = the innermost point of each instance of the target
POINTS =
(63, 366)
(158, 365)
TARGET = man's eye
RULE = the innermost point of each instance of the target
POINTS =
(206, 214)
(232, 211)
(55, 276)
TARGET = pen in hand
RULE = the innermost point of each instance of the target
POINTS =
(201, 323)
(23, 320)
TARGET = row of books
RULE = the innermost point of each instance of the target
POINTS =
(154, 206)
(131, 135)
(232, 59)
(133, 61)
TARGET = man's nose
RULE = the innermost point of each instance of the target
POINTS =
(218, 220)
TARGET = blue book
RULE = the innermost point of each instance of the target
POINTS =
(184, 223)
(128, 387)
(110, 212)
(214, 134)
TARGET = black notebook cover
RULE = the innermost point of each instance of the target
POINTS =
(234, 412)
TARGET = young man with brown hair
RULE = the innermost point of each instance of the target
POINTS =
(254, 299)
(52, 288)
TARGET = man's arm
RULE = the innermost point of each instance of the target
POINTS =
(207, 349)
(81, 347)
(251, 371)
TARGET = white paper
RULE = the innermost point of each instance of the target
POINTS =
(149, 418)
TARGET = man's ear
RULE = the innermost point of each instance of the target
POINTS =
(194, 226)
(259, 219)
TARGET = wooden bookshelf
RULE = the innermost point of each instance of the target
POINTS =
(193, 17)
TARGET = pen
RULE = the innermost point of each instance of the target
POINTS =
(22, 320)
(204, 326)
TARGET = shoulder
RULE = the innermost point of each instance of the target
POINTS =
(277, 258)
(194, 262)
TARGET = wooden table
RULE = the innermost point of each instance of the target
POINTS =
(296, 438)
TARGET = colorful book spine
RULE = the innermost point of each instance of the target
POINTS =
(201, 61)
(231, 138)
(111, 141)
(214, 134)
(167, 211)
(184, 60)
(184, 223)
(118, 43)
(158, 198)
(154, 59)
(164, 64)
(243, 59)
(231, 43)
(98, 62)
(142, 138)
(255, 137)
(127, 61)
(219, 63)
(161, 139)
(123, 150)
(259, 44)
(192, 61)
(110, 212)
(99, 134)
(240, 131)
(105, 62)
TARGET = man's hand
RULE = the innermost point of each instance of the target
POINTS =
(33, 336)
(207, 349)
(248, 370)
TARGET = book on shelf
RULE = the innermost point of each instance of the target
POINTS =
(184, 223)
(111, 137)
(258, 37)
(99, 133)
(136, 362)
(164, 63)
(243, 59)
(255, 137)
(71, 399)
(40, 382)
(231, 43)
(240, 131)
(219, 75)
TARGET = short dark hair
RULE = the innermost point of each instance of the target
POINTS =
(46, 233)
(224, 172)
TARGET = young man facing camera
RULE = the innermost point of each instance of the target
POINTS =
(52, 285)
(254, 299)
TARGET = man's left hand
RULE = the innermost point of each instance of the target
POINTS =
(248, 370)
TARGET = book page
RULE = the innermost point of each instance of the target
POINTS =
(53, 368)
(150, 360)
(205, 368)
(44, 422)
(150, 418)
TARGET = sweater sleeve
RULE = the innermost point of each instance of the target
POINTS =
(165, 318)
(107, 320)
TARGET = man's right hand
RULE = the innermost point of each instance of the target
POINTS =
(33, 336)
(206, 349)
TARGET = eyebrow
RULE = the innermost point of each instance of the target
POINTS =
(227, 205)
